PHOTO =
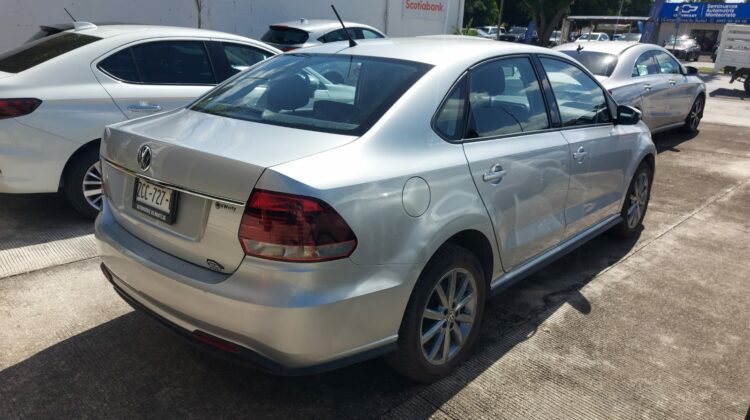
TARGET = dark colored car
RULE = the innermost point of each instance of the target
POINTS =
(684, 49)
(518, 34)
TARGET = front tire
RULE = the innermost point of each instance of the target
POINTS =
(442, 317)
(636, 201)
(695, 115)
(82, 183)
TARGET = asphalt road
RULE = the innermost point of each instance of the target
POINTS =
(655, 327)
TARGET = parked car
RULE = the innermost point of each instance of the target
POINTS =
(57, 93)
(648, 78)
(733, 54)
(303, 33)
(518, 34)
(275, 223)
(488, 31)
(684, 49)
(593, 36)
(554, 39)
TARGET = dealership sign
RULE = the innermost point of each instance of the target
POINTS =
(705, 13)
(425, 9)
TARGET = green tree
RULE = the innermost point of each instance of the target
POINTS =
(481, 12)
(547, 14)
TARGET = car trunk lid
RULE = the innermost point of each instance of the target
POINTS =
(212, 163)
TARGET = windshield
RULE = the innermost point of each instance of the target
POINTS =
(319, 92)
(599, 63)
(285, 36)
(517, 30)
(684, 42)
(41, 50)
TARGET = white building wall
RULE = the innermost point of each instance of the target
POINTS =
(20, 19)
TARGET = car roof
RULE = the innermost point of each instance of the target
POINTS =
(317, 25)
(435, 50)
(599, 46)
(109, 31)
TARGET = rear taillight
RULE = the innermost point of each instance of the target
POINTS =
(293, 228)
(10, 108)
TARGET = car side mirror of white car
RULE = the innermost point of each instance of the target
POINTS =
(627, 115)
(691, 71)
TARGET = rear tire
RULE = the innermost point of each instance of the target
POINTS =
(636, 201)
(443, 316)
(82, 183)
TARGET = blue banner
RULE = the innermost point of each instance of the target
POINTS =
(649, 32)
(705, 12)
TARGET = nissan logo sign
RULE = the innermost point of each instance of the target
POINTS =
(144, 157)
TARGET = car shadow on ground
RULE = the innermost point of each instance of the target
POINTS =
(130, 367)
(668, 141)
(30, 219)
(725, 93)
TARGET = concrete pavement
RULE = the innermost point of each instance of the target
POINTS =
(654, 327)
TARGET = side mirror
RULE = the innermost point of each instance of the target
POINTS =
(627, 115)
(691, 71)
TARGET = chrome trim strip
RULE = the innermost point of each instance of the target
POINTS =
(173, 187)
(536, 263)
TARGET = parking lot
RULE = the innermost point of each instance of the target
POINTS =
(655, 327)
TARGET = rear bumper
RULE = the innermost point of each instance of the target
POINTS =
(287, 319)
(31, 160)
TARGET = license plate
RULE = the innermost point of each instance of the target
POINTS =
(154, 200)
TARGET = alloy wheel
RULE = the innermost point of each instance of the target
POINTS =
(638, 199)
(694, 118)
(448, 316)
(92, 185)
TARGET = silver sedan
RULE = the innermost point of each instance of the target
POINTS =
(302, 225)
(646, 77)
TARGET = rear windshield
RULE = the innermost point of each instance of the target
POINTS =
(319, 92)
(285, 36)
(41, 50)
(599, 63)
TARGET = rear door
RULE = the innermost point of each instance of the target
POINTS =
(599, 151)
(679, 97)
(520, 165)
(653, 88)
(156, 76)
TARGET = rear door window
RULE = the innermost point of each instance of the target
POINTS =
(37, 52)
(173, 62)
(339, 35)
(645, 65)
(450, 120)
(368, 34)
(505, 98)
(120, 65)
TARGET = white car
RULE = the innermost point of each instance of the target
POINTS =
(57, 93)
(303, 33)
(593, 36)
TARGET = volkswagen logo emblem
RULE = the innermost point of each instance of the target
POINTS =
(144, 157)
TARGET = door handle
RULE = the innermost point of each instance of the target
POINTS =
(496, 173)
(144, 107)
(647, 86)
(672, 82)
(580, 154)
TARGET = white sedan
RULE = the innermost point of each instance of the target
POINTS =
(646, 77)
(57, 94)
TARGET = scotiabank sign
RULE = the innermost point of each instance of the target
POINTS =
(425, 9)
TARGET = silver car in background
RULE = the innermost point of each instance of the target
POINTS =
(58, 92)
(648, 78)
(301, 224)
(302, 33)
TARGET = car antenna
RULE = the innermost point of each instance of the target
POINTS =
(71, 16)
(579, 48)
(346, 31)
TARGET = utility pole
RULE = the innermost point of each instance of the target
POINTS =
(499, 19)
